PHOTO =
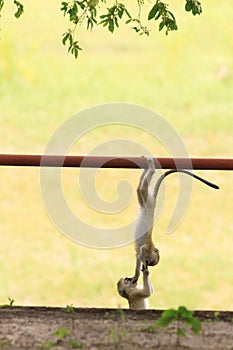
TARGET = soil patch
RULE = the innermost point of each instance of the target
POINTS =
(93, 328)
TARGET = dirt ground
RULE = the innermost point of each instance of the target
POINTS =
(92, 328)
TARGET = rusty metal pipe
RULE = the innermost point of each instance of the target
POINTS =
(114, 162)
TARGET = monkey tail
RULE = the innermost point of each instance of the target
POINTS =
(162, 177)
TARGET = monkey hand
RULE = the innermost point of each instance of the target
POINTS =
(134, 279)
(150, 161)
(146, 272)
(145, 269)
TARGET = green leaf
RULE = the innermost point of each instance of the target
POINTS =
(194, 6)
(111, 25)
(157, 16)
(153, 11)
(65, 38)
(116, 22)
(188, 6)
(167, 317)
(181, 332)
(20, 9)
(195, 325)
(184, 312)
(74, 49)
(103, 16)
(161, 25)
(121, 11)
(11, 302)
(171, 25)
(91, 22)
(1, 4)
(61, 333)
(128, 21)
(75, 8)
(172, 16)
(127, 12)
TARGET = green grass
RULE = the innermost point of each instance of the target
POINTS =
(188, 79)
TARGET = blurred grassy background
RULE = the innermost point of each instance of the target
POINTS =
(186, 77)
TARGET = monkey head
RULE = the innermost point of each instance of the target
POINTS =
(125, 286)
(152, 259)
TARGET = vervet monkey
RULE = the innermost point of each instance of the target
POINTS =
(146, 253)
(136, 295)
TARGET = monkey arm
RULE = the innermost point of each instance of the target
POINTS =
(147, 286)
(144, 184)
(146, 289)
(139, 194)
(137, 269)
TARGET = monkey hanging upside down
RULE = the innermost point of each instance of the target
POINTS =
(146, 252)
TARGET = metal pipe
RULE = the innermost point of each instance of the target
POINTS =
(114, 162)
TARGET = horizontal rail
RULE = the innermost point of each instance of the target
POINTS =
(114, 162)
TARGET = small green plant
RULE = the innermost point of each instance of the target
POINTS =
(46, 345)
(121, 314)
(69, 308)
(61, 333)
(74, 344)
(116, 331)
(10, 304)
(4, 342)
(179, 316)
(216, 315)
(117, 334)
(152, 328)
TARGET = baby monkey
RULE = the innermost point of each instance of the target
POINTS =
(146, 253)
(136, 295)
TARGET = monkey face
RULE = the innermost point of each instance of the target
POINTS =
(154, 258)
(124, 286)
(130, 282)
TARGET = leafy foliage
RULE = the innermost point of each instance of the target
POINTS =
(74, 344)
(88, 12)
(61, 333)
(19, 10)
(181, 314)
(19, 6)
(113, 15)
(10, 304)
(152, 328)
(1, 5)
(69, 308)
(117, 331)
(160, 11)
(194, 6)
(178, 316)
